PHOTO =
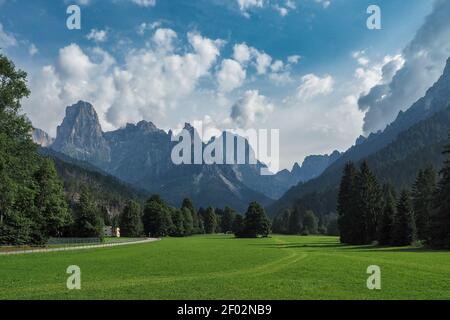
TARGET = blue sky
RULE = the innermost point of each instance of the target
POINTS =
(308, 63)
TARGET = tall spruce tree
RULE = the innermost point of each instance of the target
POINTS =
(368, 203)
(423, 193)
(256, 222)
(188, 221)
(440, 219)
(295, 221)
(404, 227)
(347, 219)
(387, 216)
(178, 228)
(188, 204)
(130, 220)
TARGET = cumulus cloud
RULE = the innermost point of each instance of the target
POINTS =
(145, 3)
(230, 76)
(424, 61)
(312, 86)
(97, 35)
(148, 84)
(250, 109)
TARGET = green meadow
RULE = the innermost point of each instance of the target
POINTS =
(221, 267)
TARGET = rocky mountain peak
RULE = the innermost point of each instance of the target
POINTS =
(80, 135)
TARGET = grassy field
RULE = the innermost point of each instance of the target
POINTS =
(221, 267)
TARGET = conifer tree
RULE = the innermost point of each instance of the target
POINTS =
(346, 204)
(178, 228)
(295, 221)
(404, 227)
(256, 222)
(188, 221)
(187, 204)
(368, 205)
(440, 219)
(387, 216)
(424, 190)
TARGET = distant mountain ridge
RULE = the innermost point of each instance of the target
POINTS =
(420, 116)
(140, 154)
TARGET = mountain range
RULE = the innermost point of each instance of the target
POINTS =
(140, 155)
(413, 141)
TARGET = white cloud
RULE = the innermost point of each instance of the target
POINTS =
(242, 53)
(424, 57)
(150, 83)
(145, 26)
(6, 40)
(244, 5)
(32, 50)
(97, 35)
(250, 109)
(230, 76)
(294, 59)
(324, 3)
(312, 86)
(145, 3)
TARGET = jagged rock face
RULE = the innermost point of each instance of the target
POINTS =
(41, 138)
(140, 154)
(80, 135)
(314, 166)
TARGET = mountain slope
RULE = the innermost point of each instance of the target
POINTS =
(377, 146)
(109, 191)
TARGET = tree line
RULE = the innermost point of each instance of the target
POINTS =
(370, 212)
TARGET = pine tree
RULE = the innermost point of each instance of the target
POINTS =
(368, 205)
(178, 228)
(54, 215)
(387, 217)
(346, 204)
(256, 222)
(187, 204)
(130, 220)
(404, 227)
(440, 219)
(188, 221)
(423, 201)
(210, 221)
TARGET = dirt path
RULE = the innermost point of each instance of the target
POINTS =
(106, 245)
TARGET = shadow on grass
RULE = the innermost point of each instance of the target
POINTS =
(345, 247)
